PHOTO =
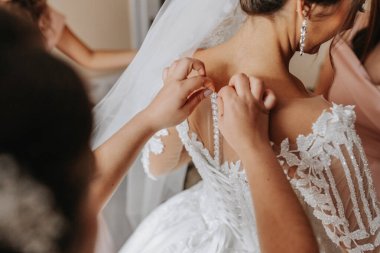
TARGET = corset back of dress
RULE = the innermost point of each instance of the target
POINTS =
(327, 167)
(226, 200)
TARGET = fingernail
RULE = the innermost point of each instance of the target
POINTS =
(207, 93)
(210, 85)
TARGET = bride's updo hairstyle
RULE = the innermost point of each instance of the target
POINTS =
(254, 7)
(269, 7)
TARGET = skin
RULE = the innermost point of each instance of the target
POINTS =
(279, 39)
(173, 104)
(179, 96)
(75, 49)
(246, 54)
(246, 103)
(276, 37)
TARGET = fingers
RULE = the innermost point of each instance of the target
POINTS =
(241, 84)
(195, 83)
(227, 93)
(257, 88)
(180, 69)
(269, 100)
(220, 105)
(194, 100)
(245, 87)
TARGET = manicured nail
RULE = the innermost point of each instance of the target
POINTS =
(207, 93)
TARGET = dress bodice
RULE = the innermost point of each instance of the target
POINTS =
(327, 168)
(227, 198)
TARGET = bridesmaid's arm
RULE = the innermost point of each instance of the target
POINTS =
(75, 49)
(282, 224)
(173, 104)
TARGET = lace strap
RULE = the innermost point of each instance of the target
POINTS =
(216, 134)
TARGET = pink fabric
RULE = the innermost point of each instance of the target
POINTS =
(54, 29)
(353, 86)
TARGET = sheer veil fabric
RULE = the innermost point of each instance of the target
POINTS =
(180, 28)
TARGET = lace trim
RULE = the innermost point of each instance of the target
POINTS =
(155, 146)
(314, 179)
(228, 180)
(221, 178)
(232, 170)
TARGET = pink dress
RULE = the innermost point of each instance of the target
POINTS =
(52, 28)
(353, 86)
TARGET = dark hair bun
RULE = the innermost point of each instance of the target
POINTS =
(261, 6)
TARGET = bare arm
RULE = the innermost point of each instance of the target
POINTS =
(115, 156)
(287, 230)
(372, 65)
(172, 157)
(326, 78)
(75, 49)
(174, 103)
(277, 208)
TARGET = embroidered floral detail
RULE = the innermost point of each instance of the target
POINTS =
(154, 146)
(334, 140)
(328, 168)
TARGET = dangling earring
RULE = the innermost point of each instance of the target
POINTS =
(303, 36)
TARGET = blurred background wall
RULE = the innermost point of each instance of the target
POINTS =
(100, 23)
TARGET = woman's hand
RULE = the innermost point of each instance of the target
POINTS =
(244, 106)
(180, 93)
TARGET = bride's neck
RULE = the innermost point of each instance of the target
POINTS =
(263, 45)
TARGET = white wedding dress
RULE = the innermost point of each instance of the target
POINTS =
(327, 168)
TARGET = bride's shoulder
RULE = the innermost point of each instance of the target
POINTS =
(298, 117)
(212, 58)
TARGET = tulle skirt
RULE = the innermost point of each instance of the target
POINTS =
(181, 225)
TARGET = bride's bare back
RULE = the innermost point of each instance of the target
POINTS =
(294, 114)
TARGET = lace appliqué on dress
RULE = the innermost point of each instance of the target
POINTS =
(327, 164)
(155, 146)
(227, 180)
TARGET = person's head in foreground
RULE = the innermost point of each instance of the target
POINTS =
(45, 160)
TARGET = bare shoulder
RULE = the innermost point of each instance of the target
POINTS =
(296, 117)
(215, 64)
(372, 65)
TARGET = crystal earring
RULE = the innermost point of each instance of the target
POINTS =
(303, 36)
